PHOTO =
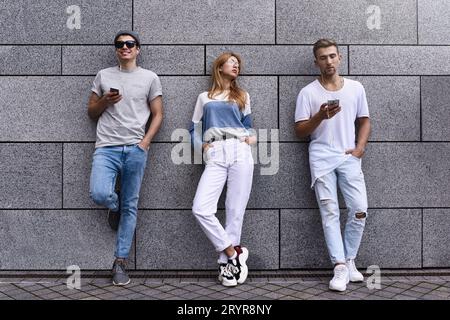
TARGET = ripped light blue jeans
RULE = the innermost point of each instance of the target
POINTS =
(350, 179)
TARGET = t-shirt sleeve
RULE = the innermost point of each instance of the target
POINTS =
(247, 109)
(303, 107)
(198, 110)
(155, 89)
(196, 128)
(247, 115)
(363, 108)
(96, 85)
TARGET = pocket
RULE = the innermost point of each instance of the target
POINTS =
(142, 149)
(247, 147)
(209, 152)
(355, 157)
(357, 162)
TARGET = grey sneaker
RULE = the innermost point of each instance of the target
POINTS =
(120, 277)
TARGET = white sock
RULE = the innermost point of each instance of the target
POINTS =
(234, 256)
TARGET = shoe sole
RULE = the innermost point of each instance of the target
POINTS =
(229, 284)
(338, 289)
(121, 284)
(244, 269)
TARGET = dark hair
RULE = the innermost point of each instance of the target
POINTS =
(324, 43)
(130, 33)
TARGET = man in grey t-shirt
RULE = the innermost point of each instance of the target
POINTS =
(122, 99)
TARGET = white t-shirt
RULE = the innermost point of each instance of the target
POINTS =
(332, 137)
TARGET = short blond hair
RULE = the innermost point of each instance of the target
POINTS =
(324, 43)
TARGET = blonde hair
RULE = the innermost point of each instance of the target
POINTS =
(236, 94)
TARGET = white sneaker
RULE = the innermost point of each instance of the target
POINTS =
(241, 263)
(226, 277)
(340, 279)
(354, 274)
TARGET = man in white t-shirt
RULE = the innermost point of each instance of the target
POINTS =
(122, 99)
(327, 110)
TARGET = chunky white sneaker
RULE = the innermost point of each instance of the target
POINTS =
(354, 274)
(340, 279)
(226, 276)
(240, 262)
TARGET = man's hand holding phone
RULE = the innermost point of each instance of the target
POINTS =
(330, 109)
(113, 96)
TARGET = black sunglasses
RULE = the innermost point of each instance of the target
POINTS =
(130, 44)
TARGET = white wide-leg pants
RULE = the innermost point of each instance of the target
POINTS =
(227, 161)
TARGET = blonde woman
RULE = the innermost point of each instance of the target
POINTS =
(222, 130)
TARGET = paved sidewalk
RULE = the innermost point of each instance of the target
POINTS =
(203, 285)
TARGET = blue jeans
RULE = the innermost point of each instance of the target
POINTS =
(129, 161)
(351, 182)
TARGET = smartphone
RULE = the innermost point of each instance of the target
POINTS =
(333, 103)
(114, 90)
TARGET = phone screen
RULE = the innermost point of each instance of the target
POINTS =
(333, 103)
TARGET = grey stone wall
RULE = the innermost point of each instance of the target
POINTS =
(47, 220)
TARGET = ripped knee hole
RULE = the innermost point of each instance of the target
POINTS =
(360, 215)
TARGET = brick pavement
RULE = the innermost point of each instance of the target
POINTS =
(202, 285)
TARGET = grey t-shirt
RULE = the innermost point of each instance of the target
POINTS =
(124, 122)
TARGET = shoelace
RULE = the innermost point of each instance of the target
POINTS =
(232, 268)
(224, 270)
(341, 273)
(119, 267)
